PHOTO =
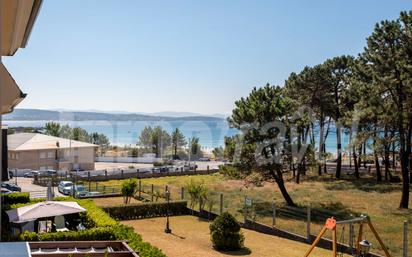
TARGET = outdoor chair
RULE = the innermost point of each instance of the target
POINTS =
(60, 223)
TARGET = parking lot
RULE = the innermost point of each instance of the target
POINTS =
(34, 190)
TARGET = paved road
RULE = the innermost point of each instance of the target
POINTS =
(34, 190)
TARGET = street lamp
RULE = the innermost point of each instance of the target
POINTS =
(167, 229)
(364, 247)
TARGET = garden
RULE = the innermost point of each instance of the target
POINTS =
(343, 199)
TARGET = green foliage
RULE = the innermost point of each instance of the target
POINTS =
(178, 140)
(129, 188)
(16, 198)
(100, 227)
(79, 134)
(231, 172)
(195, 148)
(147, 210)
(197, 191)
(225, 233)
(155, 138)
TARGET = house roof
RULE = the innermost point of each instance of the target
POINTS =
(35, 141)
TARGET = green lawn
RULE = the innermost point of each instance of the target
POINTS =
(344, 197)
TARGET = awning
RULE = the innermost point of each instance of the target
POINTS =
(43, 210)
(10, 93)
(17, 20)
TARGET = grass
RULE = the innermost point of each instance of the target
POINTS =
(190, 238)
(324, 194)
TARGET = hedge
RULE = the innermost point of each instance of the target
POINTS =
(146, 210)
(100, 227)
(16, 198)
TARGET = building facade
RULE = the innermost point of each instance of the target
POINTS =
(41, 152)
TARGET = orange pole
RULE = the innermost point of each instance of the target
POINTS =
(379, 239)
(321, 233)
(335, 243)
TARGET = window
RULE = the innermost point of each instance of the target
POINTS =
(50, 155)
(42, 155)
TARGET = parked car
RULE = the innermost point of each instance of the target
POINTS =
(31, 174)
(65, 187)
(48, 172)
(95, 193)
(11, 187)
(5, 191)
(80, 190)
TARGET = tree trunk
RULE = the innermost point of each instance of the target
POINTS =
(355, 162)
(339, 153)
(386, 155)
(359, 156)
(403, 152)
(364, 154)
(281, 184)
(350, 141)
(378, 168)
(321, 143)
(298, 174)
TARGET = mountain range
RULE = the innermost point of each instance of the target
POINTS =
(68, 115)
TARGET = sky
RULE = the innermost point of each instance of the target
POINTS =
(183, 56)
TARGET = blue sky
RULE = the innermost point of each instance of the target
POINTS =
(192, 56)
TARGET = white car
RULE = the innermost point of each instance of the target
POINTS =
(65, 187)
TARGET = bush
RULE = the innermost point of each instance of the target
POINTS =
(129, 188)
(225, 233)
(197, 191)
(231, 172)
(100, 227)
(16, 198)
(146, 210)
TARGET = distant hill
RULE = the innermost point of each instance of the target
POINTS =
(34, 114)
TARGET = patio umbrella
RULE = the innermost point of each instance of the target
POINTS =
(10, 94)
(43, 210)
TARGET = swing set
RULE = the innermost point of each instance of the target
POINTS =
(362, 246)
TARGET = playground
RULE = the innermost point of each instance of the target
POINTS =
(190, 238)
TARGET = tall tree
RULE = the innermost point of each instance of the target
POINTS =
(389, 54)
(155, 138)
(340, 71)
(178, 140)
(264, 114)
(52, 129)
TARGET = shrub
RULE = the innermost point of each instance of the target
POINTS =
(255, 179)
(146, 210)
(16, 198)
(100, 227)
(197, 191)
(129, 189)
(231, 172)
(225, 233)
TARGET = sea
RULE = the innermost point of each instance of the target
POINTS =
(211, 134)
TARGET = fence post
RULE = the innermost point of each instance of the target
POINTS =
(308, 237)
(221, 204)
(244, 211)
(351, 236)
(140, 189)
(207, 168)
(105, 174)
(138, 174)
(273, 215)
(88, 175)
(151, 195)
(405, 238)
(122, 174)
(90, 185)
(182, 193)
(104, 189)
